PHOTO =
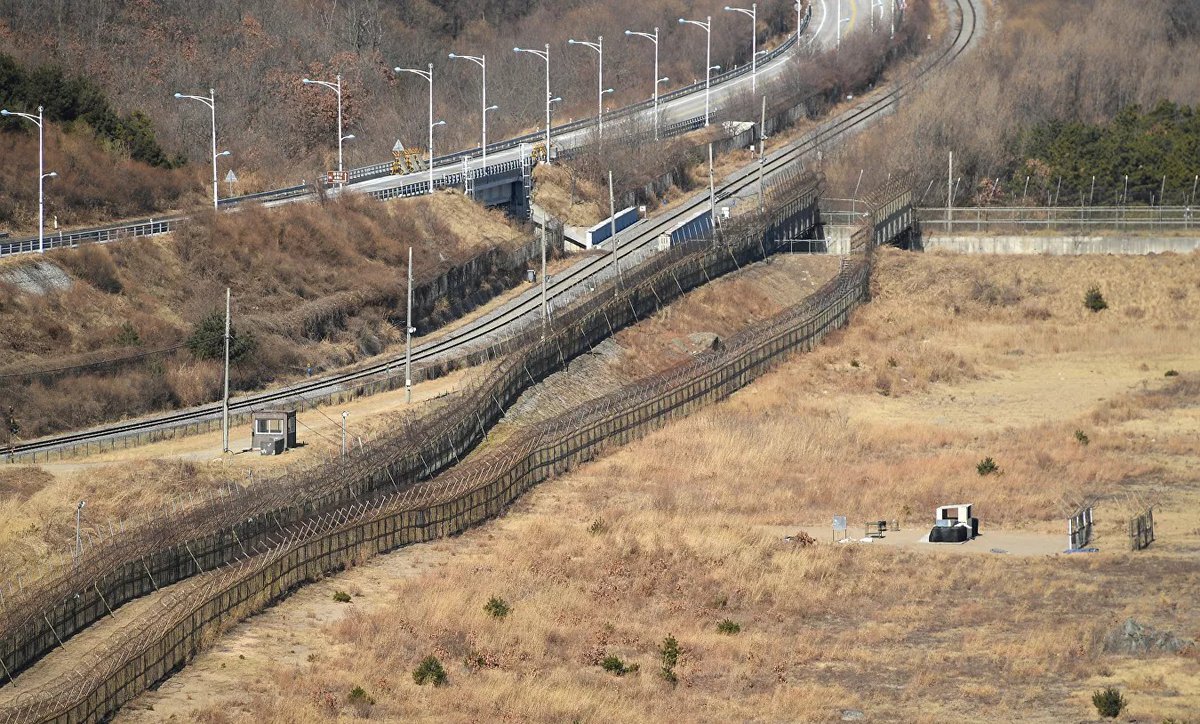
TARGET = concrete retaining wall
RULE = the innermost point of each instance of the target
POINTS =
(1061, 244)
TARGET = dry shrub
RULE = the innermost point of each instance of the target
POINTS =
(315, 283)
(22, 483)
(1047, 61)
(92, 185)
(194, 383)
(94, 265)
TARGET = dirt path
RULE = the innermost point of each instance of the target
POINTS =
(291, 634)
(68, 658)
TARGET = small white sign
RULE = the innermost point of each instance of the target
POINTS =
(231, 177)
(839, 522)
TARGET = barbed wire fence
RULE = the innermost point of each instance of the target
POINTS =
(149, 647)
(202, 533)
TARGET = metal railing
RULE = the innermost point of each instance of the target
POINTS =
(843, 212)
(100, 234)
(1078, 219)
(149, 227)
(379, 170)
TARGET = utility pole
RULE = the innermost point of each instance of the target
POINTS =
(545, 222)
(712, 196)
(854, 197)
(612, 224)
(225, 399)
(78, 517)
(408, 331)
(762, 153)
(344, 416)
(949, 188)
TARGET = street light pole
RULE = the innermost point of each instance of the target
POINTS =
(42, 175)
(752, 13)
(707, 25)
(544, 55)
(597, 46)
(211, 102)
(427, 75)
(337, 89)
(481, 61)
(654, 39)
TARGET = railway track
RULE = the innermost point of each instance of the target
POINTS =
(779, 161)
(635, 243)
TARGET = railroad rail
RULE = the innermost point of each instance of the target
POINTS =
(635, 243)
(376, 470)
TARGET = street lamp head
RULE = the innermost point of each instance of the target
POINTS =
(440, 123)
(451, 55)
(572, 41)
(306, 81)
(397, 69)
(606, 90)
(663, 79)
(629, 32)
(224, 153)
(492, 108)
(555, 99)
(52, 174)
(82, 503)
(179, 95)
(5, 112)
(682, 21)
(347, 138)
(516, 50)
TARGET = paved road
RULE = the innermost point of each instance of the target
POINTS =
(822, 31)
(633, 245)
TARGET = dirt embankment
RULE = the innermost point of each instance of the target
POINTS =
(318, 286)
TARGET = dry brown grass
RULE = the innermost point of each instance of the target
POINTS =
(675, 533)
(318, 284)
(37, 502)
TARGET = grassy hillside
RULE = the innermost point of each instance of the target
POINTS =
(315, 284)
(1057, 88)
(255, 53)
